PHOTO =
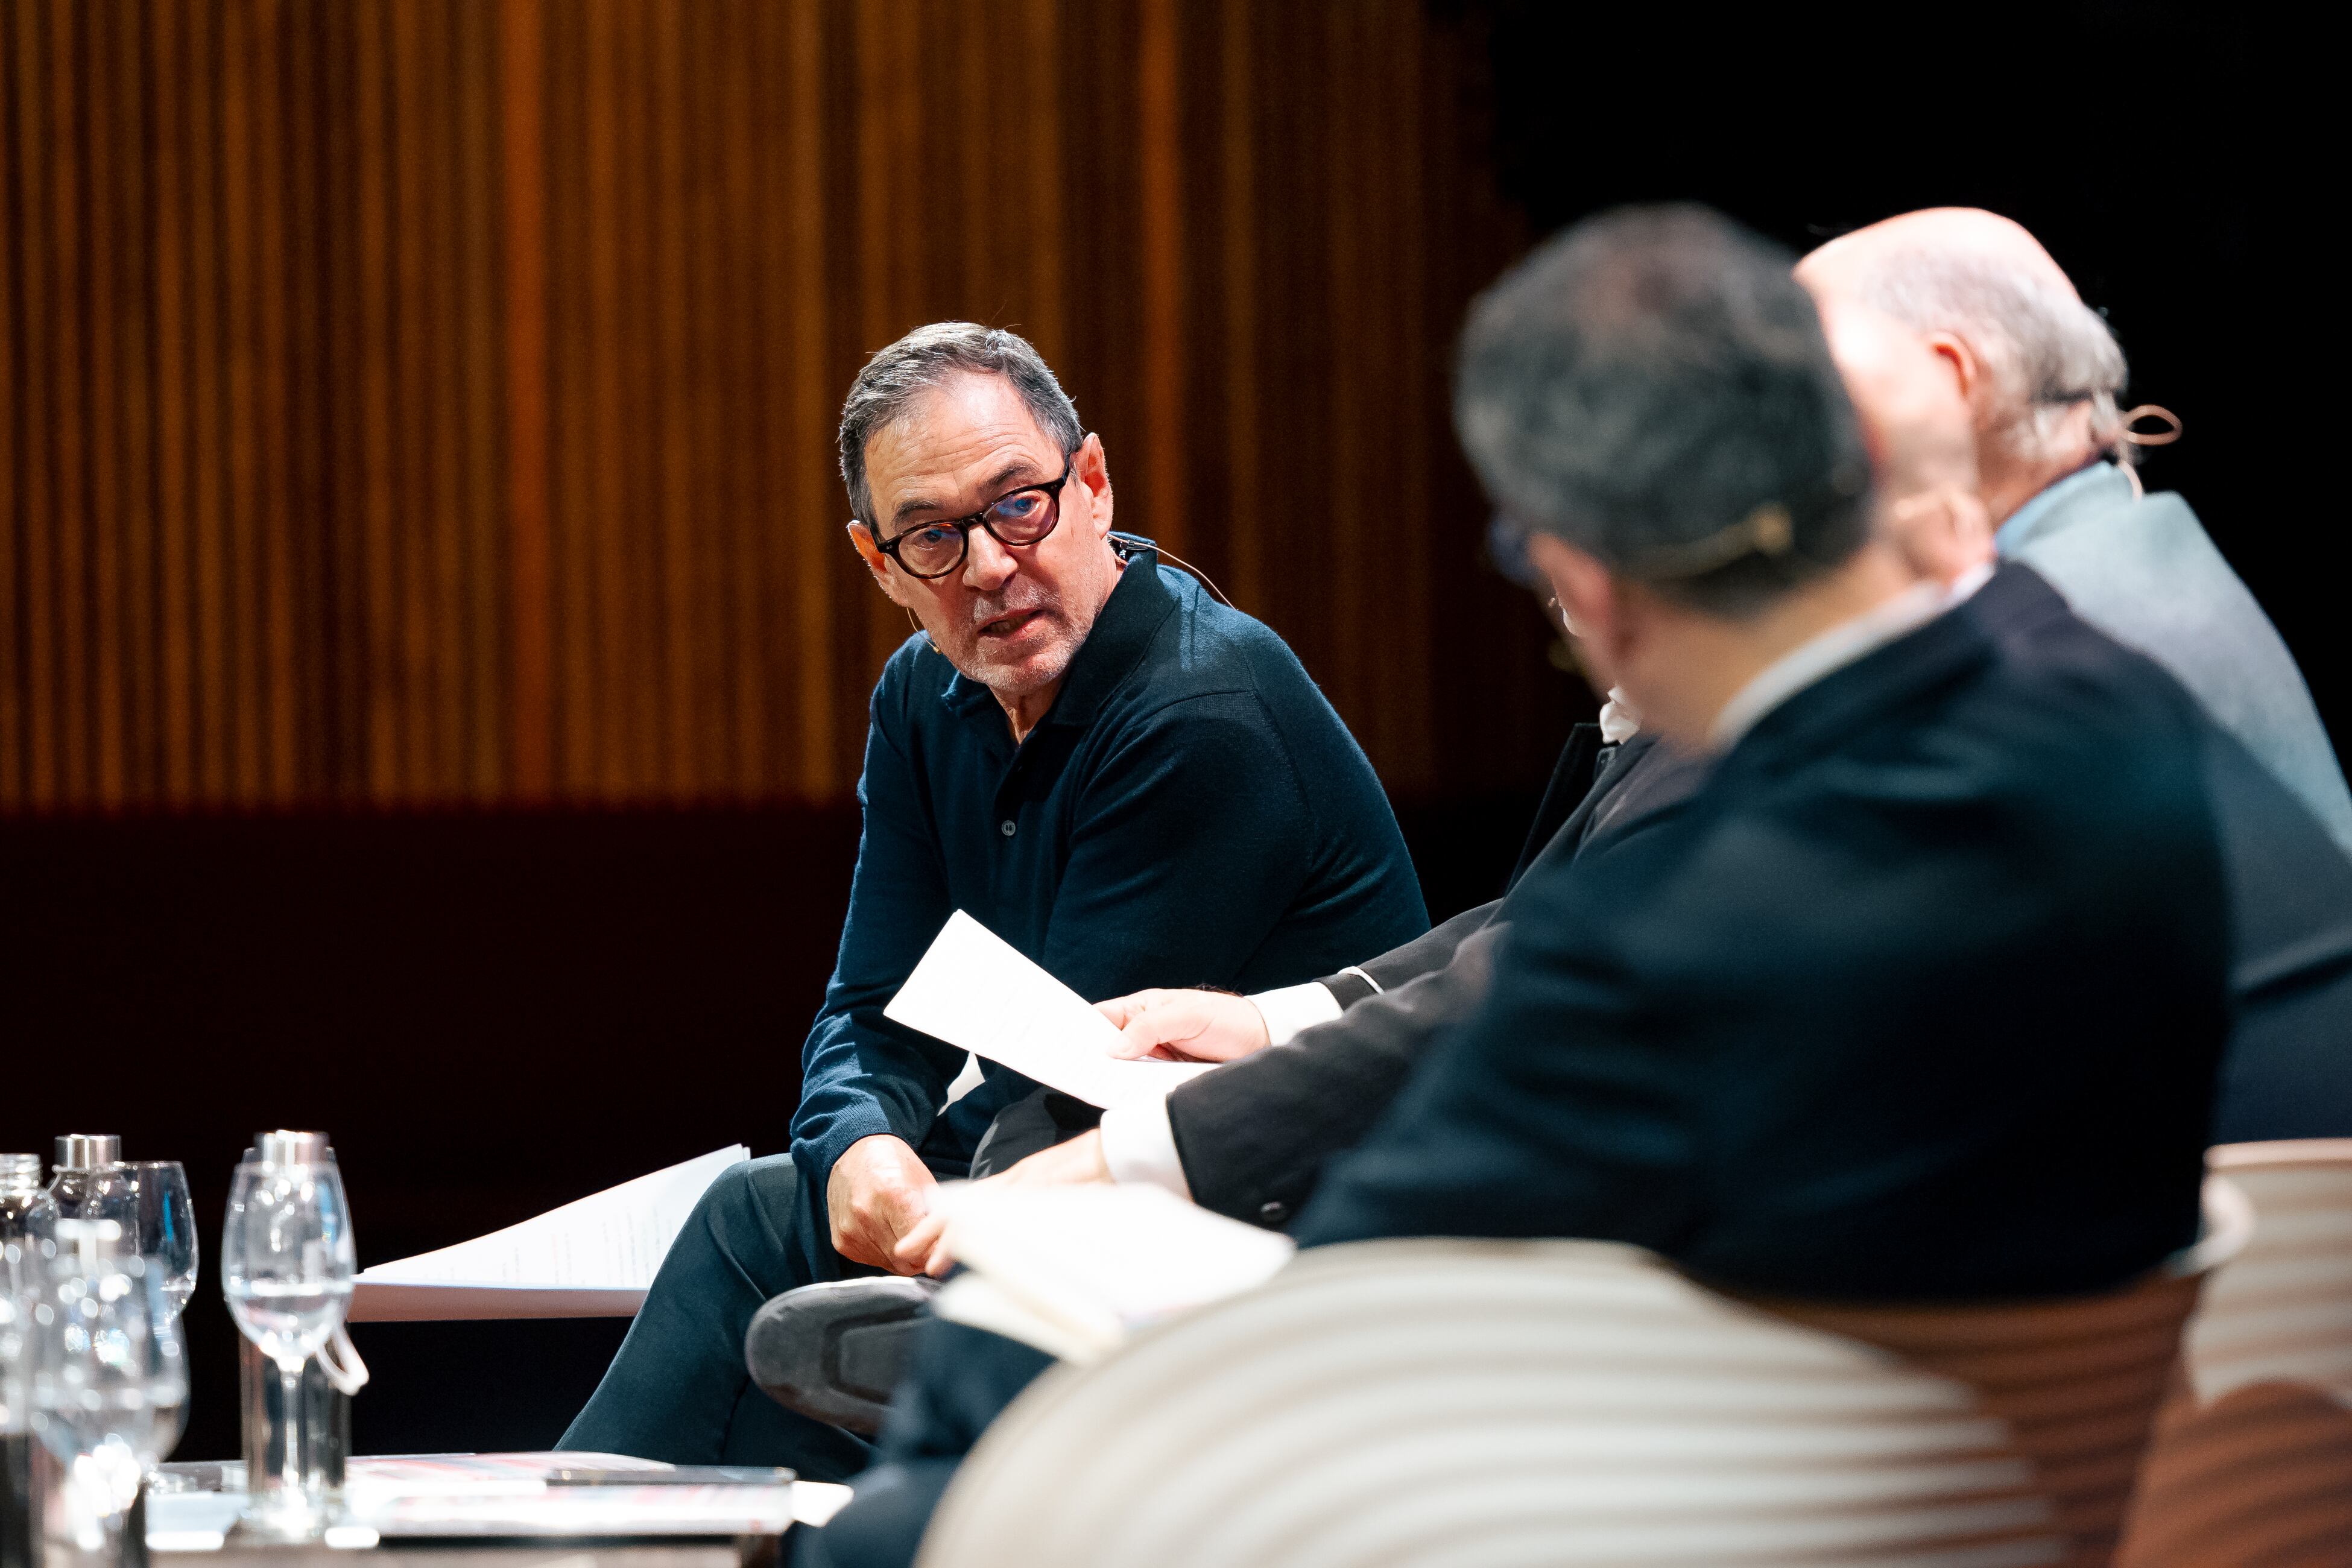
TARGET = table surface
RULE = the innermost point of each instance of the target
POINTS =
(457, 1508)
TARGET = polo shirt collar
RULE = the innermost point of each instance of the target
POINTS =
(1140, 601)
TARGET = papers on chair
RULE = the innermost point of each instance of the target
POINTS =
(1074, 1270)
(976, 990)
(593, 1258)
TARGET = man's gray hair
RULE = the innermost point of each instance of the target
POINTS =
(1652, 385)
(2046, 350)
(897, 376)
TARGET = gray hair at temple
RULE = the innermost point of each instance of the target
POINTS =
(1653, 387)
(2046, 350)
(897, 376)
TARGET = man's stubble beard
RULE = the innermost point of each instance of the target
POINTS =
(1035, 675)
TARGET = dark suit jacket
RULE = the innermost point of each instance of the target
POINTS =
(1253, 1135)
(1256, 1136)
(1920, 995)
(1587, 769)
(2288, 1073)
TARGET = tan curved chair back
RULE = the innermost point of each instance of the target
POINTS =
(1559, 1402)
(2251, 1463)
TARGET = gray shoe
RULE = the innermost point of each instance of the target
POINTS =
(834, 1351)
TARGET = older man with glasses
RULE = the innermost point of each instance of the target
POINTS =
(1130, 783)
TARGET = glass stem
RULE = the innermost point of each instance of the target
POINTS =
(298, 1460)
(122, 1529)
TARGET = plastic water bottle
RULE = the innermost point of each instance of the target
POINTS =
(90, 1183)
(25, 1215)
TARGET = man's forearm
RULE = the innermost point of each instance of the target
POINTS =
(857, 1081)
(1139, 1145)
(1139, 1148)
(1251, 1138)
(1424, 955)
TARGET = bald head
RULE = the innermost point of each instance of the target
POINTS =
(2038, 369)
(1855, 265)
(1922, 448)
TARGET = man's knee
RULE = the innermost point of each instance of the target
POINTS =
(749, 1215)
(767, 1187)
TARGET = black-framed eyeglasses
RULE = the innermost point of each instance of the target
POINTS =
(1015, 519)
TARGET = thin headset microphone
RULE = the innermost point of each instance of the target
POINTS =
(1167, 554)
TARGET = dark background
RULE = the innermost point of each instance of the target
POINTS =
(494, 1011)
(490, 1013)
(2140, 143)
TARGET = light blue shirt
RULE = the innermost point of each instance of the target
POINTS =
(2022, 524)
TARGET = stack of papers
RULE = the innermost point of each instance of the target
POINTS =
(593, 1258)
(1075, 1270)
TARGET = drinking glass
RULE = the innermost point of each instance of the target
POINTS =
(286, 1261)
(109, 1376)
(16, 1343)
(167, 1226)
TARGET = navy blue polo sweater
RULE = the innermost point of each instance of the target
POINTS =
(1190, 812)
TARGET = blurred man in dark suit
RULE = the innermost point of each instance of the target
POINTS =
(1922, 993)
(1250, 1142)
(1918, 994)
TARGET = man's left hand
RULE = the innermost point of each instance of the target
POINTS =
(1074, 1163)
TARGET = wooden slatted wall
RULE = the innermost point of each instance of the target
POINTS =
(424, 402)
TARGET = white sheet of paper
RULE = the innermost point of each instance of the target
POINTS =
(1095, 1262)
(976, 990)
(594, 1257)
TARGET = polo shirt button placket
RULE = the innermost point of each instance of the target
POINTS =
(1005, 827)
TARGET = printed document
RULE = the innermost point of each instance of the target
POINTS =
(1074, 1270)
(593, 1258)
(976, 990)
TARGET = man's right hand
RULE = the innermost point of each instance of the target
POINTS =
(878, 1192)
(1076, 1162)
(1186, 1025)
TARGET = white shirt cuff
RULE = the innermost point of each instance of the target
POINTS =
(1294, 1009)
(1139, 1147)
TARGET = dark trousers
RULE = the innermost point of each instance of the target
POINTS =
(678, 1390)
(961, 1380)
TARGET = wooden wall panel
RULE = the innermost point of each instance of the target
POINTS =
(430, 402)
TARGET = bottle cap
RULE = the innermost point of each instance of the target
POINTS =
(20, 1170)
(284, 1148)
(88, 1150)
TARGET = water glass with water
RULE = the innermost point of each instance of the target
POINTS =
(287, 1262)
